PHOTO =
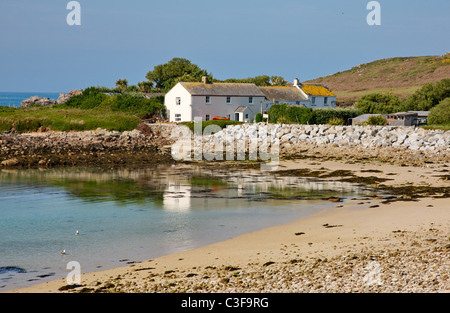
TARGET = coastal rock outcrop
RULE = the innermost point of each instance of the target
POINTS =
(37, 101)
(63, 98)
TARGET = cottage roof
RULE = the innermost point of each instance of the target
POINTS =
(317, 90)
(281, 93)
(223, 89)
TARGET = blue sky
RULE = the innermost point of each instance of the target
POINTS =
(230, 39)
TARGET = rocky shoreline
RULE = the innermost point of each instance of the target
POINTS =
(88, 148)
(151, 143)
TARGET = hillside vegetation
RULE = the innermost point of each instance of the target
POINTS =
(400, 76)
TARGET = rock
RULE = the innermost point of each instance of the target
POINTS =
(10, 162)
(63, 98)
(37, 101)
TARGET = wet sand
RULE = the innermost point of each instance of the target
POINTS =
(370, 244)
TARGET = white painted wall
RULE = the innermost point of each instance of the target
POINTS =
(219, 107)
(185, 107)
(320, 102)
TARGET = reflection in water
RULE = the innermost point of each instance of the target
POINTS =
(180, 188)
(139, 213)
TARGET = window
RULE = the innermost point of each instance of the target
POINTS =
(178, 101)
(177, 117)
(208, 117)
(250, 100)
(228, 100)
(313, 100)
(246, 116)
(325, 100)
(208, 99)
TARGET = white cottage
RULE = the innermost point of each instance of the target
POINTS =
(240, 101)
(234, 101)
(313, 96)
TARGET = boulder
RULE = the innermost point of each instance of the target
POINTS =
(37, 101)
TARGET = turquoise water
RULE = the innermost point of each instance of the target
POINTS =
(14, 99)
(128, 216)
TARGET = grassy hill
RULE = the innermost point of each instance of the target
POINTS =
(400, 76)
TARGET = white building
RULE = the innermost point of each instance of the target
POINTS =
(235, 101)
(239, 101)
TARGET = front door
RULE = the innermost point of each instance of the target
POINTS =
(236, 116)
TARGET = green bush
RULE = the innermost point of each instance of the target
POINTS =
(221, 123)
(429, 96)
(377, 103)
(376, 120)
(258, 118)
(440, 114)
(132, 102)
(324, 116)
(336, 121)
(285, 113)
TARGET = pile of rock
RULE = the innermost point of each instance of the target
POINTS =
(337, 141)
(99, 147)
(63, 98)
(37, 101)
(43, 101)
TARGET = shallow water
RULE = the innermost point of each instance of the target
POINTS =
(126, 216)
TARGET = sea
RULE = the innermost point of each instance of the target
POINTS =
(107, 218)
(14, 99)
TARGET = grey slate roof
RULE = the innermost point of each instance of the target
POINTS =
(223, 89)
(241, 109)
(283, 94)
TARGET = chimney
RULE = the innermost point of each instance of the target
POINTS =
(204, 79)
(297, 83)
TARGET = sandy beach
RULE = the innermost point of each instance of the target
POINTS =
(371, 244)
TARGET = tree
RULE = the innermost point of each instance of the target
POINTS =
(440, 114)
(165, 76)
(122, 84)
(377, 103)
(277, 81)
(428, 96)
(145, 87)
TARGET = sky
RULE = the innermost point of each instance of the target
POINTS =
(307, 39)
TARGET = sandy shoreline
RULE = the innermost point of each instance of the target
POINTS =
(362, 245)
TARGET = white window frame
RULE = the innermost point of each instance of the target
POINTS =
(207, 117)
(228, 100)
(250, 100)
(313, 100)
(177, 117)
(178, 100)
(325, 100)
(208, 100)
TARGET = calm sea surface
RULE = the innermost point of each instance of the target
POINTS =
(128, 216)
(14, 99)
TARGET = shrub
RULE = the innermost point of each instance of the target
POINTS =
(258, 118)
(376, 103)
(429, 96)
(440, 114)
(285, 113)
(221, 123)
(336, 121)
(376, 120)
(323, 116)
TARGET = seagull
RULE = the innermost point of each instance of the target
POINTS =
(63, 252)
(77, 233)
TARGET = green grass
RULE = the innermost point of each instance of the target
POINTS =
(65, 119)
(221, 123)
(445, 126)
